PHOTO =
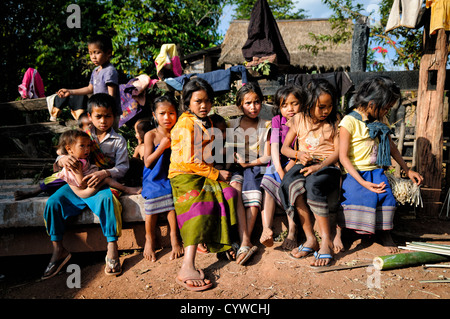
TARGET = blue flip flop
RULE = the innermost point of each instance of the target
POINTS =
(300, 249)
(322, 256)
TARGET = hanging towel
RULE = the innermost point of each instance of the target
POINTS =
(440, 15)
(168, 59)
(409, 11)
(32, 86)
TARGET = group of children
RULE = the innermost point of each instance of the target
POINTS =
(308, 159)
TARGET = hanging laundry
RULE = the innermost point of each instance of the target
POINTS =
(132, 96)
(404, 13)
(168, 62)
(264, 40)
(32, 86)
(440, 15)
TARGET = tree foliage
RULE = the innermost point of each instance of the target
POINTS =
(35, 34)
(281, 9)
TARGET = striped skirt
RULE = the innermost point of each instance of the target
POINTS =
(271, 184)
(206, 211)
(363, 210)
(250, 178)
(162, 204)
(317, 188)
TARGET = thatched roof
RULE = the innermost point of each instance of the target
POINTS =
(294, 33)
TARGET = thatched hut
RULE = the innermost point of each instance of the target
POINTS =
(294, 33)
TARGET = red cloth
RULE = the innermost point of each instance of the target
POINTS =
(32, 86)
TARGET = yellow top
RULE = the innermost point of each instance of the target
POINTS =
(191, 145)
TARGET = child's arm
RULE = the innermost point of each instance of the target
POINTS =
(288, 151)
(262, 160)
(275, 154)
(81, 91)
(344, 145)
(395, 153)
(112, 89)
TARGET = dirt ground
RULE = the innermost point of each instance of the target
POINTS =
(270, 275)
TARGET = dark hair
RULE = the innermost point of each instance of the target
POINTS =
(68, 138)
(313, 90)
(165, 98)
(80, 119)
(381, 90)
(104, 42)
(143, 126)
(248, 88)
(194, 85)
(282, 94)
(102, 100)
(217, 119)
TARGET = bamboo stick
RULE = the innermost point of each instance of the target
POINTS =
(407, 260)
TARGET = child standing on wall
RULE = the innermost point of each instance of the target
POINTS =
(287, 100)
(308, 185)
(104, 78)
(368, 204)
(156, 188)
(251, 131)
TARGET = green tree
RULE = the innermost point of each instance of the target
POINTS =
(281, 9)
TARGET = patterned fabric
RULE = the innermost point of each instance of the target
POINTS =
(318, 187)
(205, 211)
(102, 161)
(363, 210)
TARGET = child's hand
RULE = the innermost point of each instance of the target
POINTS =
(69, 162)
(238, 159)
(305, 158)
(165, 142)
(415, 177)
(224, 175)
(94, 179)
(376, 188)
(63, 93)
(308, 170)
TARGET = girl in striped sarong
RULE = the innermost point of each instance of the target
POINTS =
(368, 204)
(156, 188)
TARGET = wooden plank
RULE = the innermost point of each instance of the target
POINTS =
(17, 131)
(27, 105)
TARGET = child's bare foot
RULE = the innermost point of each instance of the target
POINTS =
(177, 248)
(338, 245)
(149, 251)
(290, 242)
(267, 237)
(19, 195)
(388, 242)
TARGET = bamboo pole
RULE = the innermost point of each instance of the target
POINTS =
(407, 260)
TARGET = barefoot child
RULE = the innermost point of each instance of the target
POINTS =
(156, 188)
(251, 131)
(204, 203)
(288, 100)
(307, 185)
(366, 147)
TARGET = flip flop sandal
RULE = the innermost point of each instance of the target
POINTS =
(322, 256)
(300, 249)
(248, 253)
(183, 282)
(54, 268)
(113, 264)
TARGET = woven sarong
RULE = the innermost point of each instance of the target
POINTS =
(317, 188)
(363, 210)
(206, 211)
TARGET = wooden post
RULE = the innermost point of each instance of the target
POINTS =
(429, 125)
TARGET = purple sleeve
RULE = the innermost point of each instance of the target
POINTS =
(111, 76)
(275, 131)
